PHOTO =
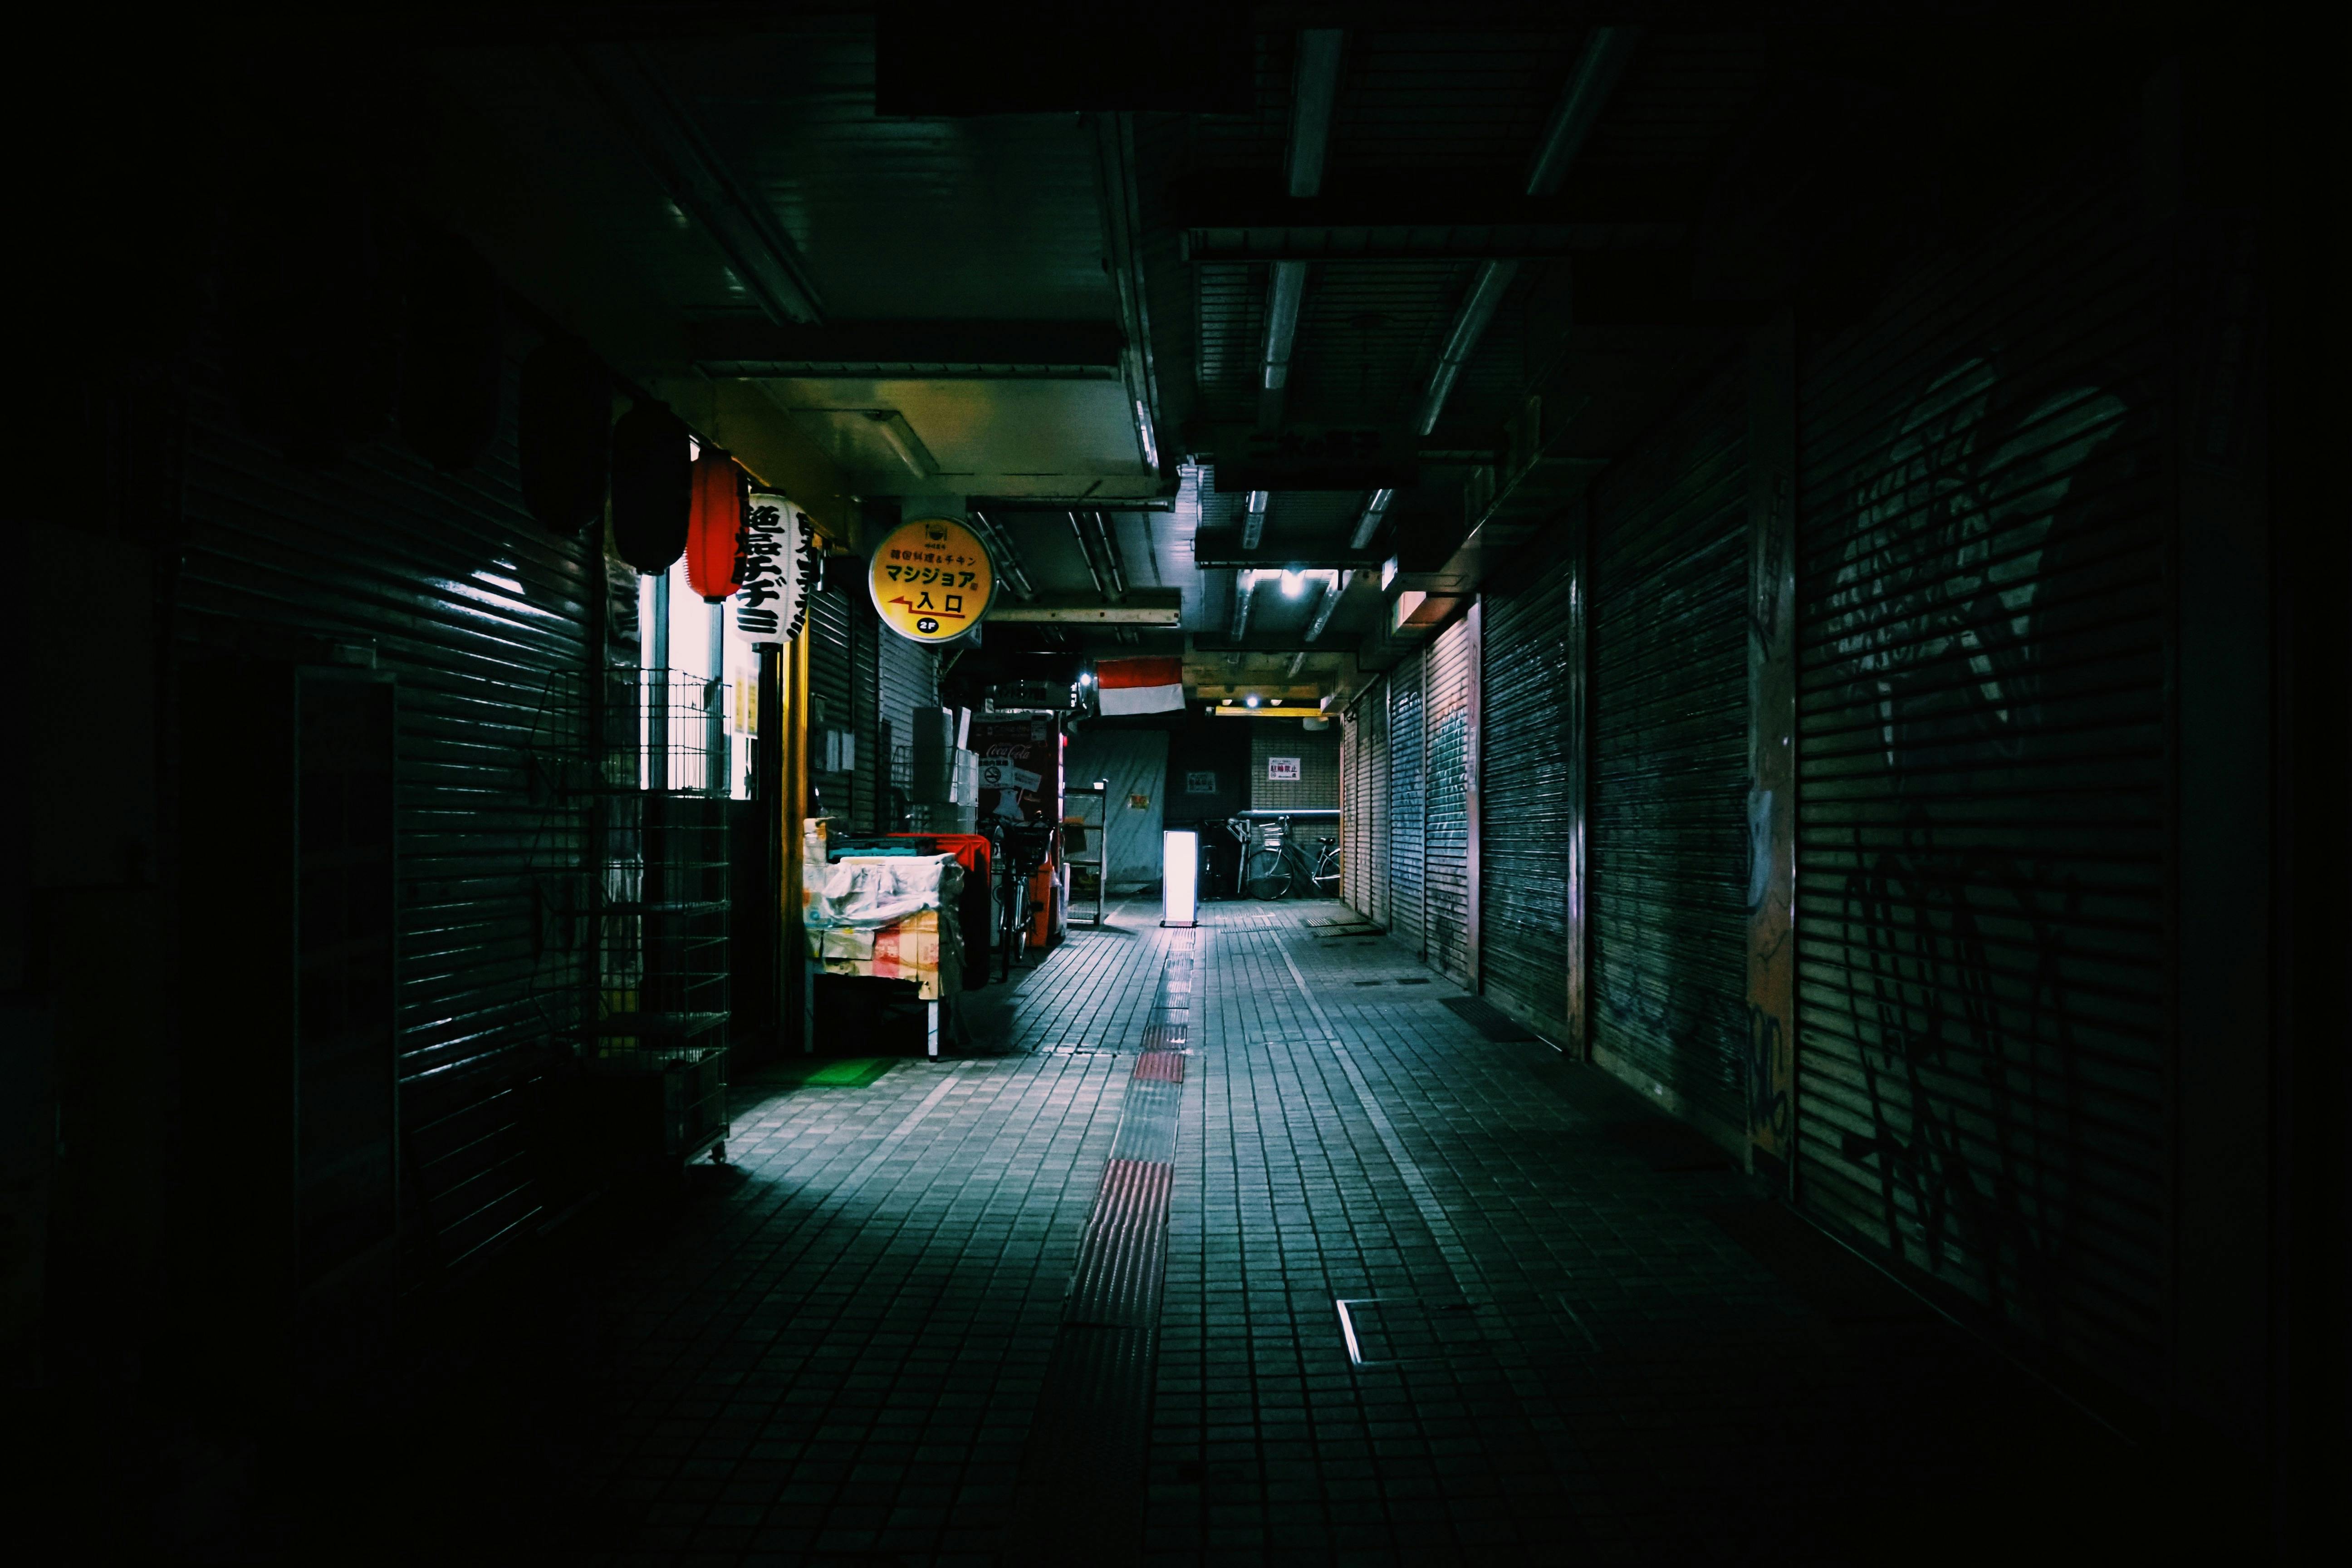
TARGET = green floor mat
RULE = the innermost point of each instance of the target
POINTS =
(855, 1073)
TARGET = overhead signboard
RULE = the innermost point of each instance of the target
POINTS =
(931, 580)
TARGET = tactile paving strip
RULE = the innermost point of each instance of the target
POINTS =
(1166, 1067)
(1124, 1259)
(1081, 1494)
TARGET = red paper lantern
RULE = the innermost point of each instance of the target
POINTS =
(714, 529)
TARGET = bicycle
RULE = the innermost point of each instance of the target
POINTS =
(1277, 866)
(1017, 851)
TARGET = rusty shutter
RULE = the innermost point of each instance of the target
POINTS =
(1669, 657)
(1531, 792)
(1982, 867)
(483, 619)
(1407, 801)
(1451, 745)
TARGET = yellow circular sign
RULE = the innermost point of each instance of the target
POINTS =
(931, 580)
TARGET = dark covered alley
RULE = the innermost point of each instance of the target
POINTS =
(891, 783)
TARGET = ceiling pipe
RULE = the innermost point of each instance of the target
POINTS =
(1297, 663)
(1111, 565)
(1370, 523)
(1254, 523)
(1330, 602)
(1314, 95)
(1244, 587)
(1006, 560)
(1598, 70)
(729, 210)
(1087, 553)
(1281, 333)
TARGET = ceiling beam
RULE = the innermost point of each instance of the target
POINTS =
(912, 350)
(760, 254)
(1156, 607)
(1296, 244)
(1361, 198)
(1598, 69)
(1220, 547)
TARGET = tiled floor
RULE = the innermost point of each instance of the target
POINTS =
(833, 1350)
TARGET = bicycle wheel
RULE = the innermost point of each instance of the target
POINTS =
(1267, 875)
(1326, 874)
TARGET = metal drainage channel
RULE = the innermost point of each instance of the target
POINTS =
(1081, 1493)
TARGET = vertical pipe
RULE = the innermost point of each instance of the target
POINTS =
(657, 694)
(768, 790)
(654, 888)
(794, 805)
(718, 766)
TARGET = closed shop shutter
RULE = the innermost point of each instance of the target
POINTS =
(1351, 809)
(831, 685)
(483, 619)
(1453, 666)
(1527, 837)
(1407, 798)
(865, 637)
(1669, 652)
(911, 680)
(1983, 824)
(1378, 904)
(1368, 843)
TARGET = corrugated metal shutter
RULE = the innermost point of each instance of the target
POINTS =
(1527, 837)
(1367, 803)
(866, 634)
(911, 680)
(1346, 809)
(831, 683)
(1984, 810)
(1378, 904)
(1407, 801)
(482, 616)
(1453, 664)
(1669, 652)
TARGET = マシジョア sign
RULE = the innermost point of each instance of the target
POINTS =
(931, 580)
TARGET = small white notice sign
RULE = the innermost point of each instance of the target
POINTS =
(1282, 770)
